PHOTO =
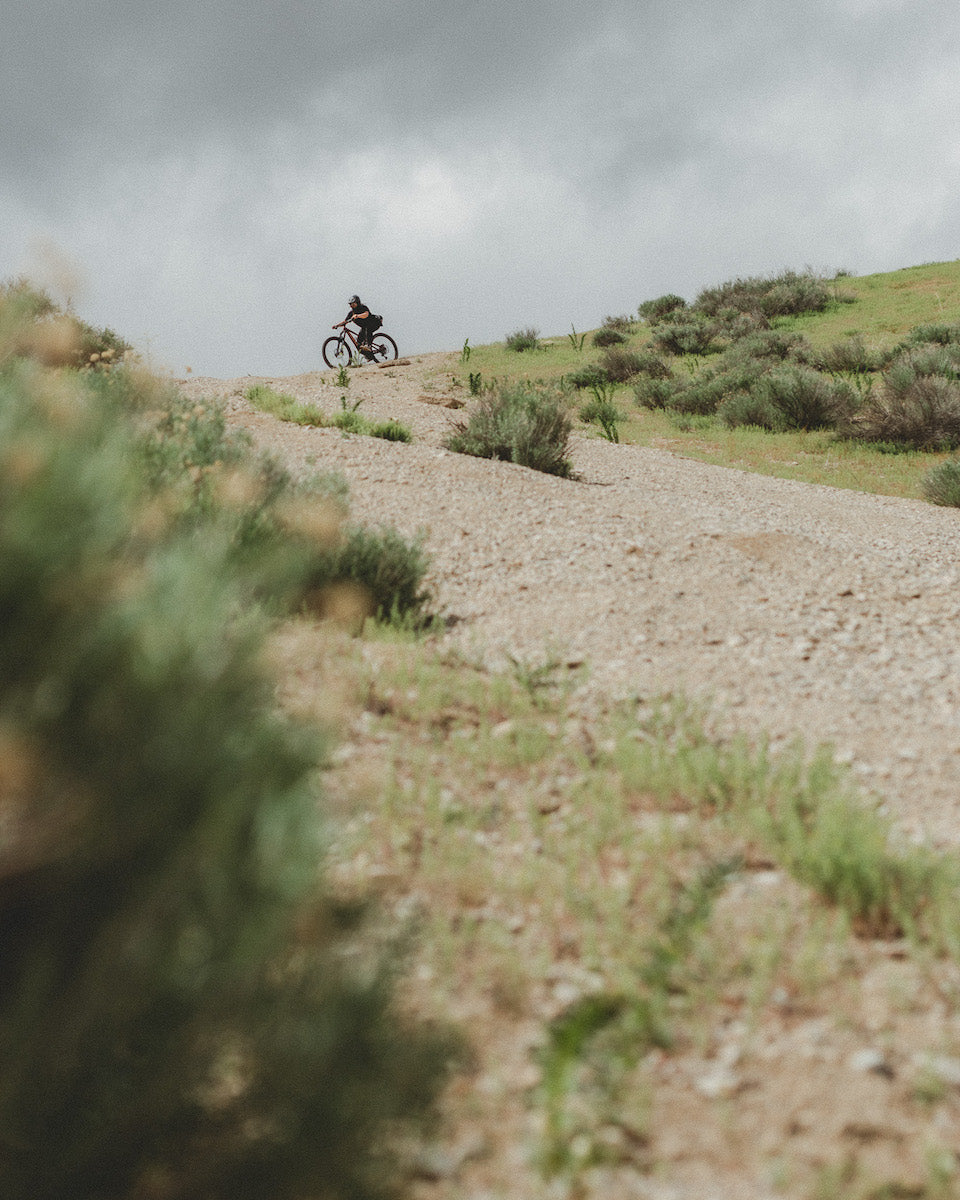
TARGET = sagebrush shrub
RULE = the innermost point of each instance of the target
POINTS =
(943, 333)
(735, 374)
(851, 355)
(732, 325)
(33, 326)
(654, 393)
(923, 360)
(686, 337)
(807, 399)
(620, 365)
(941, 485)
(653, 365)
(608, 337)
(749, 408)
(787, 294)
(656, 310)
(519, 424)
(922, 413)
(769, 345)
(621, 324)
(523, 339)
(586, 377)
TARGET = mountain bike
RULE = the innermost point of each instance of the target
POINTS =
(341, 350)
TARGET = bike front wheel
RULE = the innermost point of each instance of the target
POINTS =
(337, 352)
(384, 348)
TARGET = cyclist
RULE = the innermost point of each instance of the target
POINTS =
(361, 315)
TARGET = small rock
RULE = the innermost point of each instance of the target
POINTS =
(870, 1061)
(718, 1083)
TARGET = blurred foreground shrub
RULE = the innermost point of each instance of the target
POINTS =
(185, 1013)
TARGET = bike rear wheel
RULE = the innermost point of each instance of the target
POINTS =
(337, 352)
(384, 348)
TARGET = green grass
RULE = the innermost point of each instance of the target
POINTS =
(287, 408)
(887, 305)
(818, 457)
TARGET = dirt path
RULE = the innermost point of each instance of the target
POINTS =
(802, 610)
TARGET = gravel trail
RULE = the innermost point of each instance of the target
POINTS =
(800, 609)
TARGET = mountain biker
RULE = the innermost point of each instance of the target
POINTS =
(361, 315)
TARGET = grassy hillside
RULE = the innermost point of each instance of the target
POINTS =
(876, 312)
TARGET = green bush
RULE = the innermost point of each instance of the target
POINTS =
(851, 356)
(943, 334)
(602, 411)
(652, 365)
(619, 365)
(183, 1011)
(787, 294)
(657, 310)
(523, 339)
(608, 337)
(517, 424)
(769, 346)
(653, 393)
(706, 392)
(586, 377)
(284, 406)
(687, 337)
(391, 431)
(621, 324)
(751, 409)
(348, 420)
(941, 485)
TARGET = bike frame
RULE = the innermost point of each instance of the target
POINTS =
(351, 337)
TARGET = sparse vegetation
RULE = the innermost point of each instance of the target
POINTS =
(603, 411)
(285, 406)
(349, 419)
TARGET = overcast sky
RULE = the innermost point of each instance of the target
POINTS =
(224, 173)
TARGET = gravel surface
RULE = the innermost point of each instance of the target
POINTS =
(799, 609)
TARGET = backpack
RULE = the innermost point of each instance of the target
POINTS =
(375, 322)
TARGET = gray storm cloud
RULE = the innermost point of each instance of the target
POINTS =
(227, 173)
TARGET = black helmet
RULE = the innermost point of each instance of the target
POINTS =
(354, 300)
